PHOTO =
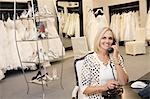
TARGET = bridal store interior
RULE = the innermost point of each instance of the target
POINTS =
(40, 40)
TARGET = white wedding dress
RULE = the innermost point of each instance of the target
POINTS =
(3, 50)
(13, 59)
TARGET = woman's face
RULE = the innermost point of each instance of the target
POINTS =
(106, 40)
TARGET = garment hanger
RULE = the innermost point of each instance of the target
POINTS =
(3, 19)
(98, 12)
(90, 10)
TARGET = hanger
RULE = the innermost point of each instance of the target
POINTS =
(3, 17)
(90, 10)
(98, 12)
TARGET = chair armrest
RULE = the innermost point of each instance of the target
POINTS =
(74, 92)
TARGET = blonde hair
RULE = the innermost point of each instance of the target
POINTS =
(99, 37)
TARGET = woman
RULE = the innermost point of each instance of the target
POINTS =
(103, 71)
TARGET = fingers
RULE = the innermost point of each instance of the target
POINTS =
(112, 84)
(116, 51)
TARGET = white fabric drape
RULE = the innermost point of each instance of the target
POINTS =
(94, 25)
(12, 54)
(116, 25)
(125, 25)
(70, 27)
(3, 46)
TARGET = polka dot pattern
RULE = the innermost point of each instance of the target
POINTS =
(90, 73)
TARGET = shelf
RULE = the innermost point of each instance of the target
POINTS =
(43, 17)
(36, 17)
(56, 59)
(28, 62)
(37, 39)
(25, 19)
(41, 61)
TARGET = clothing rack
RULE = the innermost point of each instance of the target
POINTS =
(12, 9)
(7, 9)
(60, 9)
(132, 6)
(73, 9)
(95, 9)
(98, 11)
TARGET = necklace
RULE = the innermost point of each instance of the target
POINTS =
(104, 59)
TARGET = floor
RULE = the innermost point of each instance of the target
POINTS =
(15, 87)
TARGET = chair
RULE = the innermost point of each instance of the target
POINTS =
(78, 63)
(79, 45)
(138, 46)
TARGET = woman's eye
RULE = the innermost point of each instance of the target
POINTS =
(110, 38)
(103, 37)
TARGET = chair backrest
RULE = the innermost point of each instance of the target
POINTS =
(77, 67)
(79, 45)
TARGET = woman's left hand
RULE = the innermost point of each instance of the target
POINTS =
(116, 51)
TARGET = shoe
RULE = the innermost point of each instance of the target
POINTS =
(38, 81)
(48, 77)
(38, 75)
(55, 75)
(46, 64)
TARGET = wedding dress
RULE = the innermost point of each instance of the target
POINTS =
(21, 30)
(90, 30)
(71, 28)
(4, 48)
(77, 25)
(12, 54)
(66, 25)
(128, 33)
(54, 44)
(95, 26)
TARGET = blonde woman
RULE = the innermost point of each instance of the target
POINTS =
(101, 70)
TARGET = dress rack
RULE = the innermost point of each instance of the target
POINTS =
(132, 6)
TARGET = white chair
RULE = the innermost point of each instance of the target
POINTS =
(138, 46)
(79, 45)
(76, 93)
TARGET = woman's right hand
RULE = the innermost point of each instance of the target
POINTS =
(111, 84)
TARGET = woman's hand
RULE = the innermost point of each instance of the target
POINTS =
(111, 84)
(116, 51)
